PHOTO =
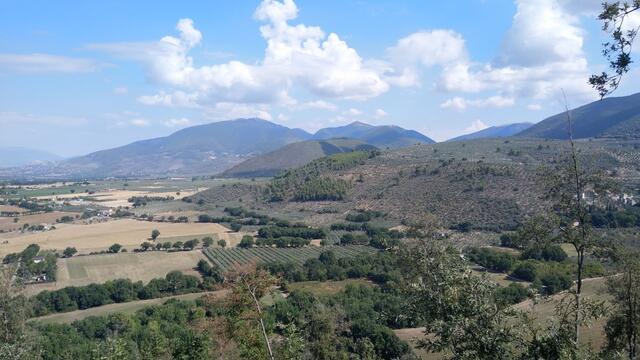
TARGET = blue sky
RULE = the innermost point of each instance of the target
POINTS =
(79, 76)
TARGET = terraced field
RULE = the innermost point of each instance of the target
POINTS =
(227, 258)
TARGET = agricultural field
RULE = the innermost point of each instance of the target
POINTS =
(11, 208)
(141, 266)
(99, 236)
(8, 224)
(228, 258)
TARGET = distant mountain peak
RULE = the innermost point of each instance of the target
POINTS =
(494, 132)
(359, 123)
(383, 136)
(215, 147)
(610, 117)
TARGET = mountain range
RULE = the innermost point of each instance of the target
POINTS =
(610, 117)
(221, 146)
(385, 136)
(494, 132)
(19, 156)
(215, 147)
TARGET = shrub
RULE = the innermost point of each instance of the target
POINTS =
(512, 294)
(492, 259)
(246, 242)
(554, 282)
(525, 270)
(551, 252)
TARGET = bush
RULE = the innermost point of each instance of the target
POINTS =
(512, 294)
(69, 252)
(246, 242)
(207, 241)
(115, 248)
(554, 282)
(551, 252)
(354, 239)
(492, 259)
(525, 270)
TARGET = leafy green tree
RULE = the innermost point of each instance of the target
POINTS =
(246, 241)
(458, 308)
(248, 286)
(16, 341)
(115, 248)
(69, 252)
(178, 245)
(191, 244)
(222, 243)
(146, 246)
(154, 234)
(207, 241)
(166, 245)
(623, 326)
(617, 51)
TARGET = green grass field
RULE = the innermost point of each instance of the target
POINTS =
(326, 288)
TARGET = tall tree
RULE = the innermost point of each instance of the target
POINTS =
(16, 341)
(617, 50)
(623, 327)
(248, 287)
(458, 308)
(568, 187)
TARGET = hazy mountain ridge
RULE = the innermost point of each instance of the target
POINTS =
(610, 117)
(206, 150)
(383, 136)
(494, 132)
(19, 156)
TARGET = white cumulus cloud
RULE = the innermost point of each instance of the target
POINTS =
(459, 103)
(295, 55)
(380, 113)
(476, 125)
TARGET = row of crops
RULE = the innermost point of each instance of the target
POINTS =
(227, 258)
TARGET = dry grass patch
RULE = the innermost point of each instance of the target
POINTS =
(322, 288)
(594, 288)
(8, 224)
(143, 266)
(115, 198)
(97, 237)
(11, 208)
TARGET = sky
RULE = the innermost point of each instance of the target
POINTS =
(81, 76)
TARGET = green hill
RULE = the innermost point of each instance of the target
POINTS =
(483, 184)
(610, 117)
(294, 155)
